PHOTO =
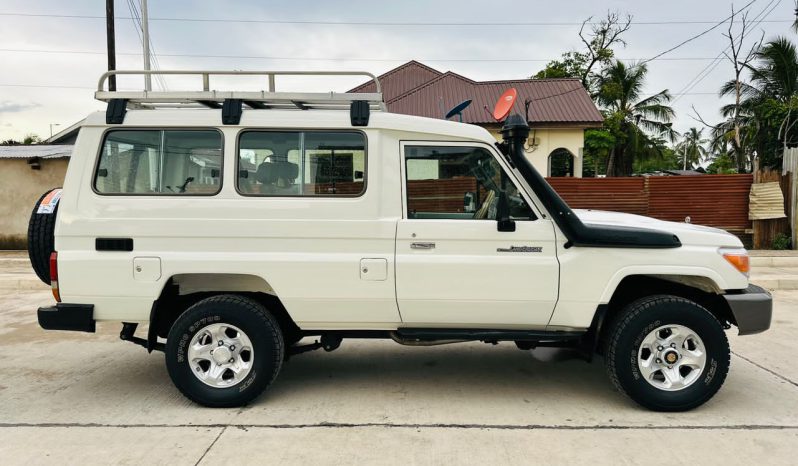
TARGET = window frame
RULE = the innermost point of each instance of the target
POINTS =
(302, 130)
(101, 148)
(404, 144)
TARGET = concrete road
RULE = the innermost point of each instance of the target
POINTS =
(72, 398)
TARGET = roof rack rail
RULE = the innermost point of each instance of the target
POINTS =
(254, 99)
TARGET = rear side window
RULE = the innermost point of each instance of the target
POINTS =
(302, 163)
(160, 162)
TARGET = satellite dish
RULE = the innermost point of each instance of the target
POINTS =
(458, 110)
(505, 104)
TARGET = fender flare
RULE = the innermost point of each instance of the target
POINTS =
(659, 270)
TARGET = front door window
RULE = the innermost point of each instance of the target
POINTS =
(458, 182)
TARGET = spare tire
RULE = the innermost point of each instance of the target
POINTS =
(41, 233)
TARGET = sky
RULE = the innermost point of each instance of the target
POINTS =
(53, 52)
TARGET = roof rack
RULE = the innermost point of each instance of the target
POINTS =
(254, 99)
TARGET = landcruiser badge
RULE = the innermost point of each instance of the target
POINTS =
(520, 249)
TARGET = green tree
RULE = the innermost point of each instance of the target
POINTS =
(768, 107)
(657, 157)
(633, 120)
(598, 144)
(692, 148)
(29, 138)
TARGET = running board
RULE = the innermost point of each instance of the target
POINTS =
(432, 334)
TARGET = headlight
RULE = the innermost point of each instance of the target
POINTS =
(738, 258)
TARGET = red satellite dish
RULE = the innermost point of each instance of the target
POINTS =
(505, 104)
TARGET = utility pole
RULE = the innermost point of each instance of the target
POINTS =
(111, 42)
(684, 154)
(145, 32)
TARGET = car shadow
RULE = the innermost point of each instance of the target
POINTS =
(469, 370)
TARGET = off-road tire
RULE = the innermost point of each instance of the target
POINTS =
(41, 239)
(253, 319)
(630, 327)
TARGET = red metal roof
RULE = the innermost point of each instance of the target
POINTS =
(416, 89)
(401, 79)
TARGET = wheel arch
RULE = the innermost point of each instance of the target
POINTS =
(181, 291)
(700, 289)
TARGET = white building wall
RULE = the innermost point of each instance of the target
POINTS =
(547, 140)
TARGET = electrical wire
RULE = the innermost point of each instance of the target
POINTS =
(365, 23)
(702, 33)
(333, 59)
(707, 70)
(137, 25)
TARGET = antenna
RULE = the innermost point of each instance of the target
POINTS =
(458, 110)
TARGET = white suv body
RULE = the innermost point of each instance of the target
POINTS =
(310, 252)
(363, 258)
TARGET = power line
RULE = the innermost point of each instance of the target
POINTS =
(82, 88)
(702, 33)
(365, 23)
(47, 86)
(364, 59)
(137, 25)
(707, 70)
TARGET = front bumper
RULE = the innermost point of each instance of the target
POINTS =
(74, 317)
(752, 309)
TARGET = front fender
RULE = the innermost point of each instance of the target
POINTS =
(659, 270)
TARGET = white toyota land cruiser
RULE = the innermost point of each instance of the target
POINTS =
(236, 229)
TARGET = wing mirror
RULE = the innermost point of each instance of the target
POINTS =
(503, 220)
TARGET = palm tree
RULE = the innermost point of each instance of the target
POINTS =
(631, 118)
(769, 99)
(795, 21)
(692, 148)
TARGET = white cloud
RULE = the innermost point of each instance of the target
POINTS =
(7, 106)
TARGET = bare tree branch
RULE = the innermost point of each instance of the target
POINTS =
(603, 35)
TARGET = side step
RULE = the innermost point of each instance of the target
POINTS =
(542, 336)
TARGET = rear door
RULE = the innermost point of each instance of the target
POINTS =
(454, 268)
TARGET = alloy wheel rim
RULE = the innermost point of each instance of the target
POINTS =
(220, 355)
(671, 357)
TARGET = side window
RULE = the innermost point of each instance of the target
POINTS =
(458, 183)
(162, 162)
(310, 163)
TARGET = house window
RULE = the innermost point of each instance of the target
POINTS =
(307, 163)
(561, 163)
(458, 182)
(160, 162)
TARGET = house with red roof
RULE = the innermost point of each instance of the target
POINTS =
(558, 111)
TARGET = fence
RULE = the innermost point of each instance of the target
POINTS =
(719, 201)
(765, 231)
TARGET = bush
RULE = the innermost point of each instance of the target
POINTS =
(781, 242)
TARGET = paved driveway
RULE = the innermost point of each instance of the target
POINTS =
(83, 398)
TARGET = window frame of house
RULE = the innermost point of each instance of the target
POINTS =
(302, 132)
(161, 130)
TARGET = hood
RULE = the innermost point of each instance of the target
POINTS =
(688, 233)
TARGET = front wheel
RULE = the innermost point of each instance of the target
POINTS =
(224, 351)
(667, 353)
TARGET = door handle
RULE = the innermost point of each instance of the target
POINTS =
(422, 245)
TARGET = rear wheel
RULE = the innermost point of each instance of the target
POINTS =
(667, 353)
(224, 351)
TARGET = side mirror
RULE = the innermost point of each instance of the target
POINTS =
(470, 202)
(503, 221)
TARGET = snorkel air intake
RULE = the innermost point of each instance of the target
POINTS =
(515, 132)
